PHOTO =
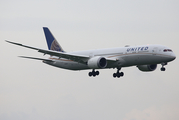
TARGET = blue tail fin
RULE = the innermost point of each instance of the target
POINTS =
(51, 41)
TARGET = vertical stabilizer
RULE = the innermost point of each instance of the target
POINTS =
(51, 41)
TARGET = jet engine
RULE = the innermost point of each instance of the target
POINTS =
(146, 68)
(97, 62)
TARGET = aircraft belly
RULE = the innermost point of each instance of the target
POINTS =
(130, 60)
(142, 59)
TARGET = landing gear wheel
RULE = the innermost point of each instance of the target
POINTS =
(162, 69)
(121, 74)
(114, 75)
(97, 72)
(118, 74)
(90, 74)
(93, 73)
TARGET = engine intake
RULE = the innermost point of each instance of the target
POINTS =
(146, 68)
(97, 62)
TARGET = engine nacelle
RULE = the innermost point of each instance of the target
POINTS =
(146, 68)
(97, 62)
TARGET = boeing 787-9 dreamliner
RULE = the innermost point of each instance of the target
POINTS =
(145, 57)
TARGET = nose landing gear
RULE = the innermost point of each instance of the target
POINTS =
(118, 74)
(163, 68)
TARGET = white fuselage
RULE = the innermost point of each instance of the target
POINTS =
(124, 56)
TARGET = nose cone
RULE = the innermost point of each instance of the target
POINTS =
(173, 56)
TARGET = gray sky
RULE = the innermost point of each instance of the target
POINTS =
(30, 89)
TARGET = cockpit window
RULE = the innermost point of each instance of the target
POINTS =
(165, 50)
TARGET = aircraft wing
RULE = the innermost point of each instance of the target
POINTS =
(74, 57)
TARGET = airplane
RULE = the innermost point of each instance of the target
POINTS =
(145, 57)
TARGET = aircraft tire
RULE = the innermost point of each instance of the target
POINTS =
(94, 75)
(97, 72)
(90, 74)
(121, 74)
(114, 75)
(118, 75)
(162, 69)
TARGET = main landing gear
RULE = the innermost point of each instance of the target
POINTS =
(163, 68)
(118, 74)
(93, 73)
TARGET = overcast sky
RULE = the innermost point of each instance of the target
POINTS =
(30, 89)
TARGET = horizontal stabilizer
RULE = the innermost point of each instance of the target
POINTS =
(37, 58)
